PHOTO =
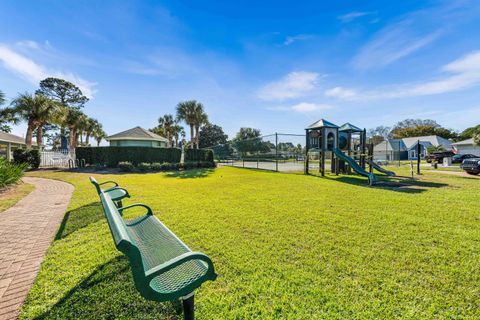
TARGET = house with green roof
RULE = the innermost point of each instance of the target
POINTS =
(137, 137)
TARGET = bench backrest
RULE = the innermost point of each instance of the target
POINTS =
(118, 228)
(95, 183)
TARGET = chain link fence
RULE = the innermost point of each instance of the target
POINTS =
(276, 152)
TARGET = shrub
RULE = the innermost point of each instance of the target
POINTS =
(126, 166)
(144, 167)
(31, 157)
(199, 155)
(99, 167)
(166, 166)
(206, 164)
(10, 172)
(156, 166)
(135, 155)
(190, 165)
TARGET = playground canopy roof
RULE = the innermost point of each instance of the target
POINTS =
(322, 123)
(348, 127)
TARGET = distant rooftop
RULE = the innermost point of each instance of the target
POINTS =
(8, 137)
(137, 133)
(464, 142)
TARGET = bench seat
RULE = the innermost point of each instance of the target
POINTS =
(163, 267)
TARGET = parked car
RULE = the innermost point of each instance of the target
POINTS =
(458, 158)
(471, 166)
(438, 156)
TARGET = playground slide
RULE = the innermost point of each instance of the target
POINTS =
(380, 169)
(355, 166)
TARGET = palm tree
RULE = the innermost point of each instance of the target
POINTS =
(99, 134)
(36, 110)
(176, 132)
(92, 125)
(201, 119)
(74, 120)
(187, 111)
(167, 122)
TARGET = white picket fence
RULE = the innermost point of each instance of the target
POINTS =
(57, 158)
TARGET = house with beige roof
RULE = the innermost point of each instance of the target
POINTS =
(10, 142)
(137, 137)
(467, 147)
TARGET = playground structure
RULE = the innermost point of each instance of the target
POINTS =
(343, 146)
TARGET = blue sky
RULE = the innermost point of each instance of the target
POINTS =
(273, 65)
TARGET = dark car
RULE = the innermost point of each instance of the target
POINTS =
(458, 158)
(438, 156)
(471, 166)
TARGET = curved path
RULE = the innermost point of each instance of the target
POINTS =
(26, 231)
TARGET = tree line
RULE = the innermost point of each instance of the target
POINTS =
(53, 111)
(418, 127)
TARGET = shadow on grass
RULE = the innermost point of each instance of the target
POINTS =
(390, 184)
(109, 293)
(190, 174)
(79, 218)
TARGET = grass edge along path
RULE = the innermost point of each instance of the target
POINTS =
(285, 246)
(12, 194)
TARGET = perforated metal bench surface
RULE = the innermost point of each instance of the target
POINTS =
(164, 268)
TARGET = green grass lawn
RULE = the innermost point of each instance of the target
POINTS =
(13, 194)
(285, 246)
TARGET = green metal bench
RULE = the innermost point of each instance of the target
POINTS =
(163, 267)
(116, 193)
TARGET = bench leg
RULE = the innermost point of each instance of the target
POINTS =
(188, 312)
(119, 204)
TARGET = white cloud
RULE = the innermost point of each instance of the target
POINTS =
(28, 43)
(411, 33)
(349, 17)
(463, 73)
(293, 85)
(299, 37)
(341, 93)
(303, 107)
(34, 72)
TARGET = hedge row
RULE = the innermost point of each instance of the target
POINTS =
(199, 155)
(111, 156)
(31, 157)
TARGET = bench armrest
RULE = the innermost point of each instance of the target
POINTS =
(110, 181)
(166, 266)
(149, 210)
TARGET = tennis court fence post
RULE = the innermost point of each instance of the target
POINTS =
(276, 151)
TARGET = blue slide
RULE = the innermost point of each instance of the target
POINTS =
(382, 170)
(355, 166)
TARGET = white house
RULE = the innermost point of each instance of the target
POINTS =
(406, 148)
(466, 147)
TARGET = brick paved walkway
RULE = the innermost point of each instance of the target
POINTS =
(26, 231)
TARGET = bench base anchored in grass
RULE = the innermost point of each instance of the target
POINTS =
(163, 267)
